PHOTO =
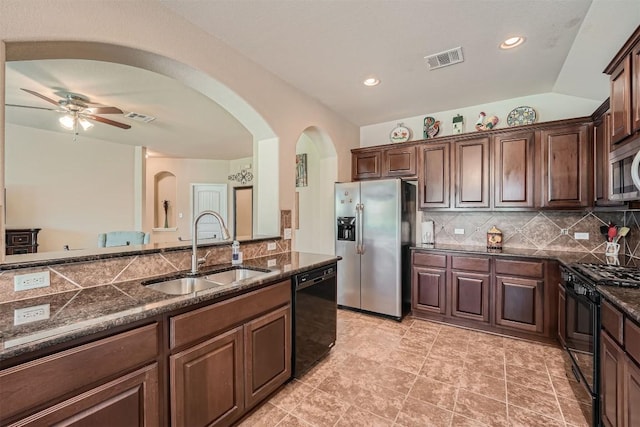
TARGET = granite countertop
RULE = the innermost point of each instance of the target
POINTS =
(626, 299)
(77, 313)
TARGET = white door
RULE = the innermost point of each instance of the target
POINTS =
(209, 197)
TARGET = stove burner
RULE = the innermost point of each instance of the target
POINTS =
(611, 275)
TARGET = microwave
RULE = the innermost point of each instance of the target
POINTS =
(624, 172)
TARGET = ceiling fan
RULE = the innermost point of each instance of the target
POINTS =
(78, 110)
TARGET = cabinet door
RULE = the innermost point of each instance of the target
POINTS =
(399, 161)
(620, 101)
(471, 171)
(611, 378)
(207, 386)
(562, 317)
(519, 303)
(433, 176)
(567, 177)
(131, 400)
(601, 160)
(267, 354)
(631, 394)
(428, 293)
(366, 165)
(513, 170)
(470, 296)
(635, 89)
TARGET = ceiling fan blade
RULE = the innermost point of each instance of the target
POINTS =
(104, 110)
(106, 121)
(41, 96)
(27, 106)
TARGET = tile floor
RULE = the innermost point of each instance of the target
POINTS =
(419, 373)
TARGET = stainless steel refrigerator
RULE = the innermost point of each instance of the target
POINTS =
(374, 229)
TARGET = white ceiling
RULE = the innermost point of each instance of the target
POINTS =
(327, 47)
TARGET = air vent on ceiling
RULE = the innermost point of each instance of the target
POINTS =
(139, 117)
(442, 59)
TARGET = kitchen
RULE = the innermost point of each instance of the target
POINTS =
(343, 159)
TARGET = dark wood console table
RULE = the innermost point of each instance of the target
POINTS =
(21, 240)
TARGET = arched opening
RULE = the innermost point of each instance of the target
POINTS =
(314, 207)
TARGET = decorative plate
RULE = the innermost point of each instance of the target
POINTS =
(400, 133)
(521, 116)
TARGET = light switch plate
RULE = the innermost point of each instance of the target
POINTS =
(31, 314)
(271, 246)
(287, 234)
(23, 282)
(271, 263)
(581, 236)
(458, 231)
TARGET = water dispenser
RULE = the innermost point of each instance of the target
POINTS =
(347, 228)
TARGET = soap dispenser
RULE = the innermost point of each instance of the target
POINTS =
(236, 255)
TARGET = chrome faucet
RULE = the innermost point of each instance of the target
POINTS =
(194, 237)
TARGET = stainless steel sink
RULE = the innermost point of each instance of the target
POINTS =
(190, 285)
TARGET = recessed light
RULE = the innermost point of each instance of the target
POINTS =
(512, 42)
(371, 81)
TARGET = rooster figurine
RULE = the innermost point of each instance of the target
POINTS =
(481, 124)
(431, 127)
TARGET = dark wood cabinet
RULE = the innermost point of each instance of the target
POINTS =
(433, 176)
(207, 382)
(267, 348)
(601, 161)
(635, 88)
(21, 240)
(470, 296)
(366, 165)
(429, 290)
(399, 162)
(566, 172)
(519, 303)
(611, 376)
(513, 166)
(620, 98)
(471, 173)
(631, 394)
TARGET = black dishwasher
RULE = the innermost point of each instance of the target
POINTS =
(314, 317)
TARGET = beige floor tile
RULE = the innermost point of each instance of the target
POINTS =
(532, 378)
(405, 361)
(446, 352)
(567, 387)
(526, 358)
(460, 421)
(356, 417)
(267, 415)
(434, 392)
(481, 408)
(320, 409)
(418, 413)
(487, 386)
(291, 395)
(447, 371)
(533, 400)
(292, 421)
(576, 413)
(391, 378)
(493, 367)
(520, 417)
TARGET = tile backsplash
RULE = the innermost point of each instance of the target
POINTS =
(542, 230)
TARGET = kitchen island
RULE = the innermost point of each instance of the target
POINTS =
(123, 352)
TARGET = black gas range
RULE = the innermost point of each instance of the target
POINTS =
(579, 325)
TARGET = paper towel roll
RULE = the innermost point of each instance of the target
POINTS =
(427, 232)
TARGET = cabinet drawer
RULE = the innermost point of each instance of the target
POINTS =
(470, 263)
(520, 268)
(430, 260)
(632, 340)
(40, 381)
(19, 239)
(208, 321)
(612, 321)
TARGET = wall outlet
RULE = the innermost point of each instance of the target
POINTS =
(23, 282)
(581, 236)
(287, 267)
(287, 234)
(31, 314)
(271, 263)
(271, 246)
(564, 231)
(458, 231)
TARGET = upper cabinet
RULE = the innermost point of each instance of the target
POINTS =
(471, 173)
(513, 166)
(374, 163)
(433, 176)
(566, 167)
(624, 70)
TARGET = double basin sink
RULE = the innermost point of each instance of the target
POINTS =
(234, 276)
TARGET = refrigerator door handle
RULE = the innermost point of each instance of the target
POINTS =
(358, 230)
(362, 250)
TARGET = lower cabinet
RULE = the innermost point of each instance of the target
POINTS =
(611, 377)
(470, 296)
(506, 295)
(245, 356)
(631, 393)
